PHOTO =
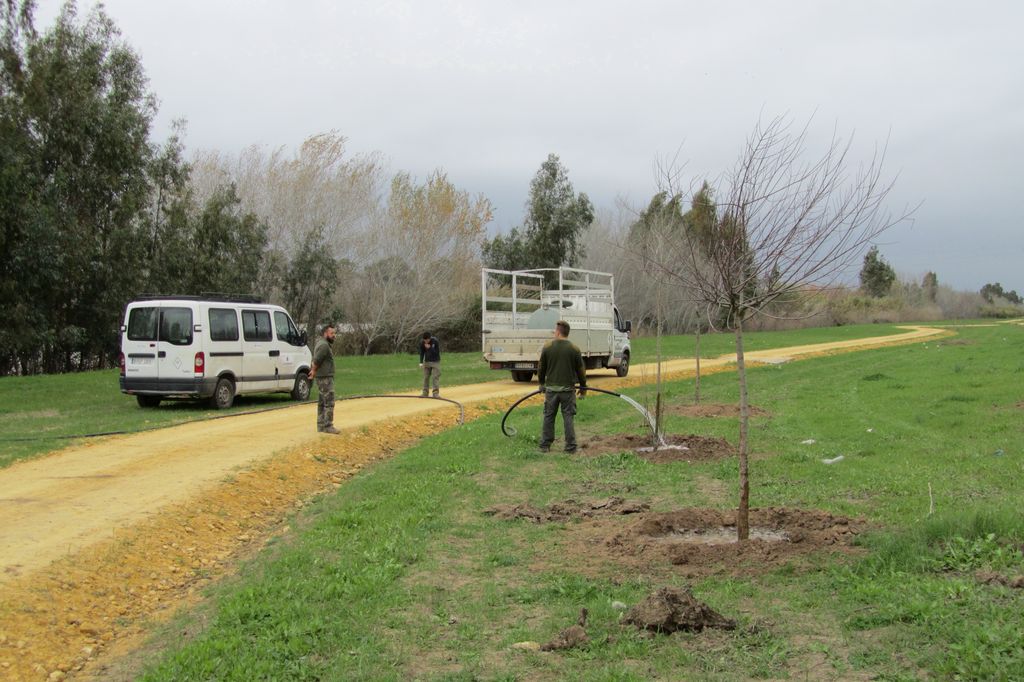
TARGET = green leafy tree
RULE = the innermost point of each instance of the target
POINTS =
(556, 218)
(991, 292)
(75, 116)
(876, 275)
(930, 285)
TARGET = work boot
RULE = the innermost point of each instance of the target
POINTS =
(424, 395)
(436, 394)
(332, 430)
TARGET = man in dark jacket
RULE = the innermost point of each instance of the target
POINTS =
(430, 361)
(323, 372)
(561, 368)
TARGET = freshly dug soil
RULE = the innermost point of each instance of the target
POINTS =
(713, 410)
(569, 509)
(698, 448)
(703, 541)
(993, 578)
(671, 609)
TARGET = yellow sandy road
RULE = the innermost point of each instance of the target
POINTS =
(56, 505)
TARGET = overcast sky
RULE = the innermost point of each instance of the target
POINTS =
(485, 90)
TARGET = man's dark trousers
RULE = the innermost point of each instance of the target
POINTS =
(553, 400)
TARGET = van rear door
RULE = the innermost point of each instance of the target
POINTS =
(175, 357)
(138, 344)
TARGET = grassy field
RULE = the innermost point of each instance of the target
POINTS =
(401, 576)
(38, 413)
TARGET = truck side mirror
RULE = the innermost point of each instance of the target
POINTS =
(302, 339)
(629, 326)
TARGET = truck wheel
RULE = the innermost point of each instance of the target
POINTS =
(224, 395)
(301, 390)
(148, 400)
(623, 368)
(522, 375)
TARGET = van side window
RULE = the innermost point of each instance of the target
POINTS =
(256, 325)
(286, 330)
(176, 326)
(223, 324)
(142, 324)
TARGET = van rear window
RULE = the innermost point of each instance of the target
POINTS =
(142, 324)
(176, 326)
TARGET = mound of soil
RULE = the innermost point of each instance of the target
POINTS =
(713, 410)
(671, 609)
(568, 509)
(993, 578)
(697, 448)
(703, 541)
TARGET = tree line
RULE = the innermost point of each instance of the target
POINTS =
(94, 213)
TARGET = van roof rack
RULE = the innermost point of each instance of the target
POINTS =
(204, 296)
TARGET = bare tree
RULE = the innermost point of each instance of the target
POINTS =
(422, 261)
(784, 225)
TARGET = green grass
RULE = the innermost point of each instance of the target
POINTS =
(400, 576)
(38, 413)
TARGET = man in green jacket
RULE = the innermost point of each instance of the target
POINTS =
(561, 368)
(323, 372)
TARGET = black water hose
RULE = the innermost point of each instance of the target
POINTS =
(100, 434)
(511, 431)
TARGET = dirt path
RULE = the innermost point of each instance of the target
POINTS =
(107, 518)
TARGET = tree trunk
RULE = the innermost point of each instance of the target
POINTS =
(696, 383)
(657, 398)
(743, 512)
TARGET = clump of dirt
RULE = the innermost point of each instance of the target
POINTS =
(685, 448)
(671, 609)
(957, 342)
(993, 578)
(714, 410)
(703, 541)
(566, 510)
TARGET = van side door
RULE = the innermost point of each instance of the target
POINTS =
(224, 343)
(259, 361)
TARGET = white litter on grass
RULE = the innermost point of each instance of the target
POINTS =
(871, 430)
(833, 460)
(659, 448)
(619, 606)
(809, 441)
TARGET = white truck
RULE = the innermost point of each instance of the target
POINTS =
(519, 312)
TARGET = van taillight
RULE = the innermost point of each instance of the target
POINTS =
(199, 363)
(120, 362)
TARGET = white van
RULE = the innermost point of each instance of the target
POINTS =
(202, 347)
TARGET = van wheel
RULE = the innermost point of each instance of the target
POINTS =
(301, 390)
(223, 395)
(623, 368)
(148, 400)
(522, 375)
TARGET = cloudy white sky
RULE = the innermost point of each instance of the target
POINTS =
(485, 90)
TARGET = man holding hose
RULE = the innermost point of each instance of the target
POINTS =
(561, 369)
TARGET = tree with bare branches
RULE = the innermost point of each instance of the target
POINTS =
(784, 224)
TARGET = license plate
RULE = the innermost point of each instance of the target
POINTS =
(142, 361)
(524, 365)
